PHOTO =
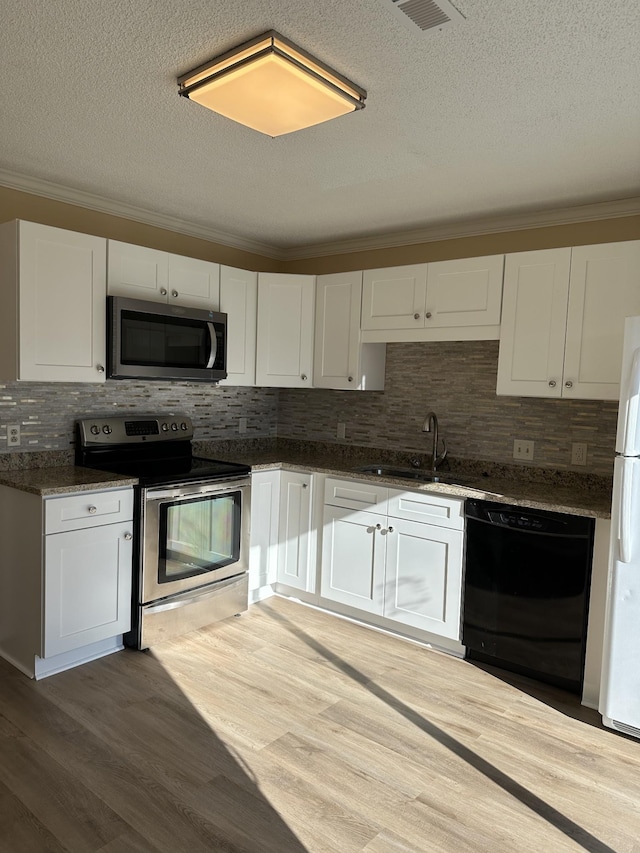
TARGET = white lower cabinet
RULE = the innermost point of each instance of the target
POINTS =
(401, 560)
(65, 581)
(87, 587)
(294, 531)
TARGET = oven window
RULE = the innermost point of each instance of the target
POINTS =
(156, 341)
(199, 536)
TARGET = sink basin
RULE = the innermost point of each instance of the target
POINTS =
(417, 474)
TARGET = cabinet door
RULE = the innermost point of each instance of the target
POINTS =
(284, 356)
(137, 271)
(87, 587)
(294, 530)
(353, 556)
(239, 301)
(423, 580)
(394, 298)
(465, 292)
(193, 283)
(263, 554)
(337, 335)
(534, 319)
(604, 289)
(62, 305)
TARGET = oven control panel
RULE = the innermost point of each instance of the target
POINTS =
(134, 429)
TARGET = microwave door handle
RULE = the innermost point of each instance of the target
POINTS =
(214, 345)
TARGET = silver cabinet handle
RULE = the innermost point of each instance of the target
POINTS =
(416, 316)
(568, 384)
(163, 291)
(303, 377)
(391, 530)
(552, 383)
(350, 378)
(93, 509)
(378, 527)
(428, 315)
(100, 368)
(305, 485)
(128, 536)
(174, 293)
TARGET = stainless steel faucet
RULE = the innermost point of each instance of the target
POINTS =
(431, 425)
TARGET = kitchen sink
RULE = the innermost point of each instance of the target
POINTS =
(417, 474)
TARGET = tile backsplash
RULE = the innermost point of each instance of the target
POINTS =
(456, 380)
(47, 412)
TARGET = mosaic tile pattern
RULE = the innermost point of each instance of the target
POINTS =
(46, 412)
(457, 380)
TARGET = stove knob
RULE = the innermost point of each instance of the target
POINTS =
(183, 425)
(165, 427)
(106, 429)
(174, 426)
(95, 430)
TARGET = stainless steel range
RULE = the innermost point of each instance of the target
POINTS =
(191, 540)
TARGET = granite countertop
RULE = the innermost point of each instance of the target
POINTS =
(537, 488)
(555, 491)
(62, 479)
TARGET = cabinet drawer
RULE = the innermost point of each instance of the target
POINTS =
(356, 495)
(428, 508)
(88, 509)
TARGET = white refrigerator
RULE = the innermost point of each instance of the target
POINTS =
(620, 688)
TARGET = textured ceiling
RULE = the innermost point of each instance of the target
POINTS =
(523, 106)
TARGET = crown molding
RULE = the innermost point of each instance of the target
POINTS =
(471, 228)
(443, 231)
(58, 192)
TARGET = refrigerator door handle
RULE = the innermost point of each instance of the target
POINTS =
(626, 499)
(631, 437)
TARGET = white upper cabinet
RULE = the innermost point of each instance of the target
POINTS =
(563, 319)
(142, 273)
(446, 300)
(394, 298)
(341, 360)
(284, 352)
(53, 318)
(239, 301)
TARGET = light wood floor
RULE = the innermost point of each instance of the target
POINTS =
(289, 730)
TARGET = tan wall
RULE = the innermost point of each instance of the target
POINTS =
(15, 204)
(20, 205)
(579, 234)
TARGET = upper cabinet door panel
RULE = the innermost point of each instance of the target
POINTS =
(137, 271)
(194, 283)
(605, 288)
(239, 301)
(285, 330)
(534, 313)
(62, 313)
(394, 298)
(337, 335)
(467, 292)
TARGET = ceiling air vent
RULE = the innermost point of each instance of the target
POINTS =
(427, 14)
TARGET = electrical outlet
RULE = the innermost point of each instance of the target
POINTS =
(242, 425)
(578, 453)
(341, 432)
(13, 435)
(523, 450)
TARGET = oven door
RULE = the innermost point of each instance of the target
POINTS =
(193, 535)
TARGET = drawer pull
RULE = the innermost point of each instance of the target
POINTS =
(93, 509)
(128, 536)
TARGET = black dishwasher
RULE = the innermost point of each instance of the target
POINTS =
(526, 592)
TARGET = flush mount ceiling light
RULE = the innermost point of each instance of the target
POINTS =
(272, 86)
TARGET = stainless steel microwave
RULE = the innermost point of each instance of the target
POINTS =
(153, 340)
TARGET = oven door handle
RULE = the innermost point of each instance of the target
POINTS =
(176, 493)
(213, 347)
